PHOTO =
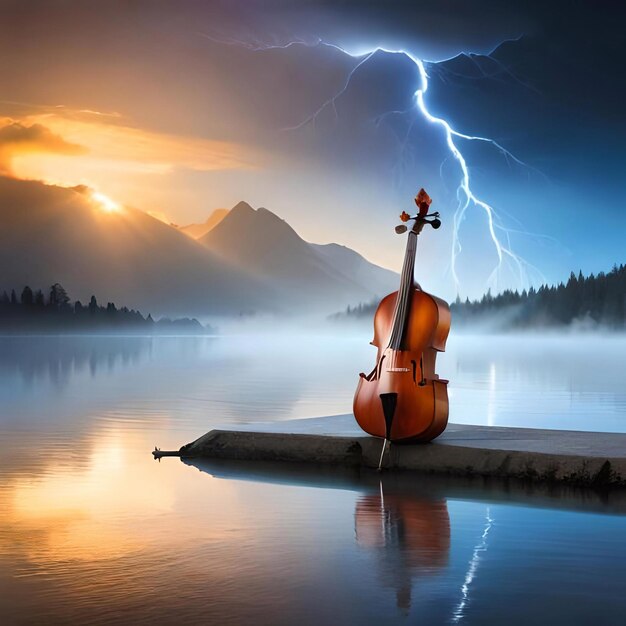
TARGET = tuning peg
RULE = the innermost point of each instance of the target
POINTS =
(401, 228)
(436, 223)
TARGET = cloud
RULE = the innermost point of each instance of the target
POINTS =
(18, 139)
(105, 151)
(29, 145)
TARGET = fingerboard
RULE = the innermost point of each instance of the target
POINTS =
(403, 302)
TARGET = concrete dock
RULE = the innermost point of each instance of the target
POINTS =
(549, 456)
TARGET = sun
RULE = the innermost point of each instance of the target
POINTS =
(105, 203)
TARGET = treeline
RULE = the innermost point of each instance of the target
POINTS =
(364, 309)
(36, 311)
(592, 301)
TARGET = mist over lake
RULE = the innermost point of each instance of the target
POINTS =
(81, 414)
(197, 383)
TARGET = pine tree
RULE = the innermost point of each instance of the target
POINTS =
(601, 298)
(27, 297)
(58, 296)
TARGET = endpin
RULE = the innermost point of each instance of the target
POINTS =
(382, 454)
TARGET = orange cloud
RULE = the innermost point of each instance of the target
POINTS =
(116, 146)
(19, 139)
(106, 151)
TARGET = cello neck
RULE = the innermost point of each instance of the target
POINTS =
(403, 301)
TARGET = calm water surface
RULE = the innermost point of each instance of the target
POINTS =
(93, 531)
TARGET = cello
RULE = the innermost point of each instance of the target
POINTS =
(402, 399)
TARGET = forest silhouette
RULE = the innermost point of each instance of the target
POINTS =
(592, 301)
(36, 311)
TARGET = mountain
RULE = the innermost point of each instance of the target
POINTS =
(195, 231)
(52, 234)
(250, 262)
(262, 244)
(379, 280)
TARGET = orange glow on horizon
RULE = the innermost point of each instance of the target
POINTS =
(138, 166)
(113, 149)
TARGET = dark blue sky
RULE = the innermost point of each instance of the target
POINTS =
(543, 81)
(337, 143)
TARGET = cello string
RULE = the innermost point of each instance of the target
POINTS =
(407, 283)
(402, 302)
(401, 306)
(397, 307)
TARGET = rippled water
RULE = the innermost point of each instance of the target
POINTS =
(93, 531)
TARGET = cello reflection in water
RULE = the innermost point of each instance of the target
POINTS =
(408, 535)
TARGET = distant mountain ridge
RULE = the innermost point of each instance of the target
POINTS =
(380, 280)
(195, 231)
(261, 243)
(250, 262)
(52, 234)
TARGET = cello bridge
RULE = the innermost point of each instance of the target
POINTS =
(398, 369)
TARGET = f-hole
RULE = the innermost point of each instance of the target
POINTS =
(380, 366)
(423, 380)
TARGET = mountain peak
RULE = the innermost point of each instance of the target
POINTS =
(242, 207)
(264, 244)
(242, 215)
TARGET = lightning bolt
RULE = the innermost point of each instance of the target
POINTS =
(466, 197)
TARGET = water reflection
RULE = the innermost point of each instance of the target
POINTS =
(92, 530)
(72, 506)
(430, 552)
(58, 359)
(215, 380)
(575, 382)
(112, 536)
(201, 382)
(477, 554)
(408, 537)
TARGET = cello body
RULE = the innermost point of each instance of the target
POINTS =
(403, 399)
(421, 407)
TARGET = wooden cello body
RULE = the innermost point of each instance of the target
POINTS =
(403, 399)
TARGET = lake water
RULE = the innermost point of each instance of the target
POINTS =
(92, 530)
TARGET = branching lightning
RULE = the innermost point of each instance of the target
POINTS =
(499, 235)
(333, 100)
(465, 195)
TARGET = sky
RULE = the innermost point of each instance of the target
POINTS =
(310, 109)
